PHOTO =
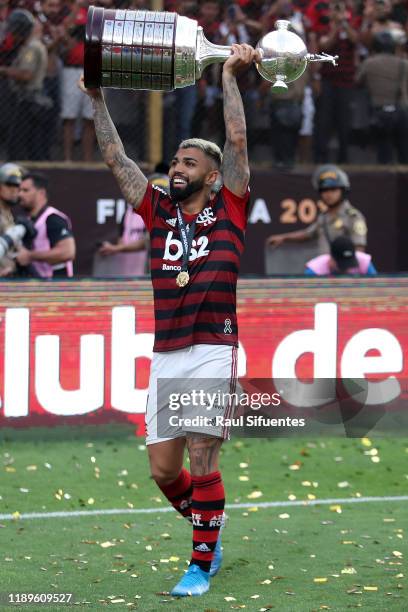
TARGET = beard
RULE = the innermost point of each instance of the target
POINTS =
(181, 194)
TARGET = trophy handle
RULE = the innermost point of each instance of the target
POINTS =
(207, 53)
(322, 57)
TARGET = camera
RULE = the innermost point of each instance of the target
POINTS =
(11, 238)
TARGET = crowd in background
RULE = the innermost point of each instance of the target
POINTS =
(362, 102)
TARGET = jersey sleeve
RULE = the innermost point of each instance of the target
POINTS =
(237, 207)
(57, 229)
(147, 208)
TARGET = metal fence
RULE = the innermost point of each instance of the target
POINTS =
(43, 116)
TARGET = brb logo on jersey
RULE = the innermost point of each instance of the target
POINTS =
(173, 250)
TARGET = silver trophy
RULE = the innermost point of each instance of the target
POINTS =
(157, 50)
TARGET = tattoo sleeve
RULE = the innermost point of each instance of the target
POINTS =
(130, 178)
(235, 168)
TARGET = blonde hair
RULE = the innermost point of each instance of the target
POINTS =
(210, 149)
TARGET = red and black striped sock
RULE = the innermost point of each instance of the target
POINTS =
(179, 493)
(207, 513)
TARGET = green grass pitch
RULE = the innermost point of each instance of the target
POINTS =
(297, 558)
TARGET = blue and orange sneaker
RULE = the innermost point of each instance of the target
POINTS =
(194, 582)
(217, 558)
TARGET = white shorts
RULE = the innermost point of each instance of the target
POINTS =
(173, 373)
(75, 103)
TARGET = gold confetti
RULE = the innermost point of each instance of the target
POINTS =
(292, 497)
(117, 601)
(254, 596)
(348, 570)
(230, 599)
(174, 559)
(267, 581)
(255, 495)
(375, 459)
(319, 580)
(343, 485)
(148, 547)
(8, 468)
(294, 467)
(284, 516)
(370, 588)
(253, 509)
(335, 508)
(107, 544)
(306, 483)
(366, 441)
(91, 501)
(243, 478)
(311, 496)
(166, 536)
(16, 515)
(397, 553)
(31, 468)
(243, 465)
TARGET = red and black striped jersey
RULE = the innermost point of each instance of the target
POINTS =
(204, 311)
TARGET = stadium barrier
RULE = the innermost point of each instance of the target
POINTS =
(79, 352)
(280, 203)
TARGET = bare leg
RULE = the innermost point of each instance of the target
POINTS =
(203, 452)
(166, 460)
(88, 142)
(68, 138)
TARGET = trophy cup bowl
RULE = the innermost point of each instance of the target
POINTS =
(158, 50)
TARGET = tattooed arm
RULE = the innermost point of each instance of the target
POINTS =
(235, 168)
(130, 178)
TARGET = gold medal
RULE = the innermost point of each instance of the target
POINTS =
(182, 278)
(338, 224)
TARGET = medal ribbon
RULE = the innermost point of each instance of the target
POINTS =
(187, 236)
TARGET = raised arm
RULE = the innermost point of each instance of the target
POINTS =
(130, 178)
(235, 168)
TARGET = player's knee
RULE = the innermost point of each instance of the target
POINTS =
(163, 475)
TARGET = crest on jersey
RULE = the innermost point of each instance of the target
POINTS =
(206, 217)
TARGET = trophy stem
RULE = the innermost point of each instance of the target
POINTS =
(207, 53)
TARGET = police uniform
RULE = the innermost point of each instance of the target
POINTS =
(347, 221)
(7, 264)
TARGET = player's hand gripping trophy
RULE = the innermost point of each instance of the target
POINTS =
(157, 50)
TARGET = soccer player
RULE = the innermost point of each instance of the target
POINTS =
(197, 238)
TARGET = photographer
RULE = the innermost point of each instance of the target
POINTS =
(53, 248)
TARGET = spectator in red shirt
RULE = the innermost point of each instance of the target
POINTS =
(336, 83)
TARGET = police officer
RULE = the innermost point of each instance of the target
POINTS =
(340, 218)
(10, 180)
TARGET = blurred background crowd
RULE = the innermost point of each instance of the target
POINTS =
(356, 112)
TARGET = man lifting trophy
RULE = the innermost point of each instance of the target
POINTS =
(154, 50)
(196, 242)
